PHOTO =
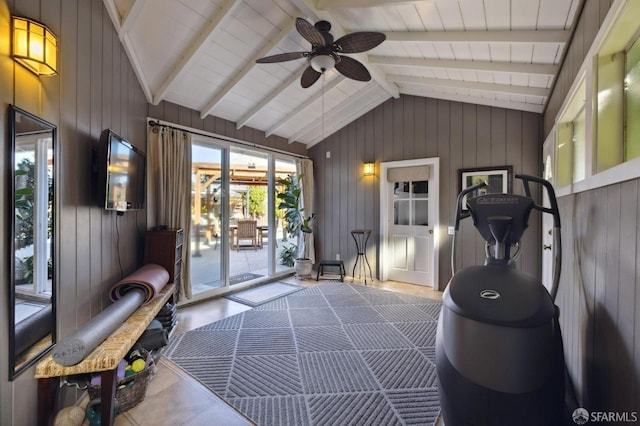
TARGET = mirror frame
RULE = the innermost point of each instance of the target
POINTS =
(38, 350)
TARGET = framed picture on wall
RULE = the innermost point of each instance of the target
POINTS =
(499, 180)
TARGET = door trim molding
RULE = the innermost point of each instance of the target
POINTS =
(434, 194)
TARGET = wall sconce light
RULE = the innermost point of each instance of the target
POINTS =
(35, 46)
(369, 169)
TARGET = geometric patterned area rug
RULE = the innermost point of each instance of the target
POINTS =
(264, 293)
(331, 354)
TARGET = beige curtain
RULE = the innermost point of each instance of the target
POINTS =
(306, 169)
(169, 184)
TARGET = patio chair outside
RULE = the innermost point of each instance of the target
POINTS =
(247, 231)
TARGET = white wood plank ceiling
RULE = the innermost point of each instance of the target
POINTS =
(202, 54)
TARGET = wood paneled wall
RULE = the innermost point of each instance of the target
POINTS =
(96, 88)
(599, 294)
(173, 113)
(461, 135)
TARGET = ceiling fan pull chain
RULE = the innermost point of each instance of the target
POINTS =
(324, 77)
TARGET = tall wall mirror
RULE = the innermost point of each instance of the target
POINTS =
(32, 274)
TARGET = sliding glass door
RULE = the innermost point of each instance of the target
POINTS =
(248, 215)
(285, 247)
(237, 232)
(207, 218)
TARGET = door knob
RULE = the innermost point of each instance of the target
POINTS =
(546, 247)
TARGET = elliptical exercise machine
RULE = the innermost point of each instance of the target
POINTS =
(499, 354)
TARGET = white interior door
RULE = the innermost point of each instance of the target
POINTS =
(409, 212)
(547, 219)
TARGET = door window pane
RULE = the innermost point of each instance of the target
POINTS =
(401, 212)
(401, 190)
(421, 212)
(420, 189)
(410, 203)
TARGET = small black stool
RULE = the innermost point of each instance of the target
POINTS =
(334, 263)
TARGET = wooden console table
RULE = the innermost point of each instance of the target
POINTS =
(104, 359)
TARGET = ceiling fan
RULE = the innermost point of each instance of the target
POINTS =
(325, 52)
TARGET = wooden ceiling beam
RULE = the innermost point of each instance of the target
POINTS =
(271, 96)
(122, 28)
(345, 4)
(195, 48)
(300, 108)
(496, 36)
(471, 85)
(504, 67)
(230, 84)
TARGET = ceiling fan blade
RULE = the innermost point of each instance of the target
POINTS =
(359, 41)
(352, 69)
(281, 57)
(309, 76)
(309, 32)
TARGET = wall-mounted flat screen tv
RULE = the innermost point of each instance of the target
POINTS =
(122, 173)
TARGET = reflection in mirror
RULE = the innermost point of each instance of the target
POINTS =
(32, 283)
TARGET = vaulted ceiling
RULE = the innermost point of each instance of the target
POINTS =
(202, 54)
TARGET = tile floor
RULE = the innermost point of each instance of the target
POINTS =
(175, 398)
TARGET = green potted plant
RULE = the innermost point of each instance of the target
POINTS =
(296, 220)
(288, 254)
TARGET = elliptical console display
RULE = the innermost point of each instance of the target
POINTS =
(499, 354)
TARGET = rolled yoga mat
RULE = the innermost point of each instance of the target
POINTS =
(151, 278)
(128, 294)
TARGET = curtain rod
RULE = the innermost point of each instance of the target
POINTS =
(159, 123)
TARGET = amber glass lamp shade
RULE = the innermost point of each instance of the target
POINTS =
(34, 46)
(368, 169)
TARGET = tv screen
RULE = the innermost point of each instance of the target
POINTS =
(124, 173)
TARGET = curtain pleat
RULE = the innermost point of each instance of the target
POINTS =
(306, 168)
(169, 194)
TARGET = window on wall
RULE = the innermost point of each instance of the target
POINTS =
(571, 140)
(597, 132)
(578, 142)
(632, 102)
(617, 81)
(609, 101)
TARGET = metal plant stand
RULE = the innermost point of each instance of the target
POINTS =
(361, 237)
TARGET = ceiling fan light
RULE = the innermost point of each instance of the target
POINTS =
(322, 63)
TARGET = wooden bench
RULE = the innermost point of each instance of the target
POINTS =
(104, 359)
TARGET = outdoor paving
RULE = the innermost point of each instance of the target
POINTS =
(206, 273)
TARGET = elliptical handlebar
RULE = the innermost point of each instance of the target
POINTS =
(555, 212)
(459, 216)
(552, 210)
(459, 213)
